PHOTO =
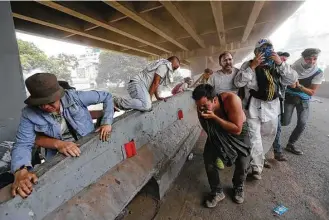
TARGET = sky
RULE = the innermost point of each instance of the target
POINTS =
(314, 15)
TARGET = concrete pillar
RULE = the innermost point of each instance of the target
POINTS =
(12, 90)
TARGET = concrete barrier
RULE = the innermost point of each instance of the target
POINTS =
(64, 180)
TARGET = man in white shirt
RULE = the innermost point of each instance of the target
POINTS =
(143, 86)
(261, 79)
(223, 80)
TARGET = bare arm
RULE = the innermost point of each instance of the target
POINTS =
(47, 142)
(310, 91)
(235, 114)
(65, 147)
(154, 87)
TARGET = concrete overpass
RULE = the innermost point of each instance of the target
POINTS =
(153, 29)
(102, 181)
(194, 31)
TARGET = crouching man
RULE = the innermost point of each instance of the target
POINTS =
(222, 117)
(53, 119)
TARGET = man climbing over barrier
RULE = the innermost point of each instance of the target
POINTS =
(310, 77)
(204, 78)
(223, 80)
(222, 117)
(182, 86)
(143, 86)
(262, 78)
(53, 119)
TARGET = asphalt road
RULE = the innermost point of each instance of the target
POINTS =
(301, 184)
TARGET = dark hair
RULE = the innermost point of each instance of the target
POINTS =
(204, 90)
(223, 54)
(311, 52)
(172, 58)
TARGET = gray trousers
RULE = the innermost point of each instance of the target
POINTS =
(139, 98)
(303, 111)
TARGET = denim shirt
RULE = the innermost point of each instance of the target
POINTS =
(34, 120)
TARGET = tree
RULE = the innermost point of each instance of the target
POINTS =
(118, 67)
(61, 65)
(31, 56)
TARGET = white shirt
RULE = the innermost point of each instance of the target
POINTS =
(147, 77)
(223, 82)
(264, 110)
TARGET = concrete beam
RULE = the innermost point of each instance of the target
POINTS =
(217, 10)
(97, 22)
(258, 5)
(205, 52)
(133, 15)
(173, 10)
(77, 32)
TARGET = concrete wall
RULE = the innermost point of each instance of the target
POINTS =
(12, 90)
(159, 129)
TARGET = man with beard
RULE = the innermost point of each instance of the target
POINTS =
(310, 78)
(223, 80)
(262, 78)
(143, 86)
(223, 119)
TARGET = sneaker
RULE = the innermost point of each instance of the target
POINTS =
(238, 193)
(267, 164)
(220, 164)
(279, 157)
(256, 175)
(291, 148)
(211, 203)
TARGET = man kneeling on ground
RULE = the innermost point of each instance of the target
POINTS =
(53, 119)
(222, 117)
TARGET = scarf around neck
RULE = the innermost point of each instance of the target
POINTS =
(302, 71)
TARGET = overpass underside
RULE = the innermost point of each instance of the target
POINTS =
(196, 32)
(153, 29)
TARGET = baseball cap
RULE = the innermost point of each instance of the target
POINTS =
(263, 41)
(284, 54)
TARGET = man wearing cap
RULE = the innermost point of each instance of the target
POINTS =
(53, 118)
(223, 80)
(310, 77)
(278, 155)
(262, 78)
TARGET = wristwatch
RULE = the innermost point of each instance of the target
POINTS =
(300, 86)
(28, 168)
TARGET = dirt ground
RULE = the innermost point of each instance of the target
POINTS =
(300, 184)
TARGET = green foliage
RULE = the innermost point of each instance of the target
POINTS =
(33, 58)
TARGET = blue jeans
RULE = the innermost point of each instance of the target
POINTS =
(276, 144)
(303, 111)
